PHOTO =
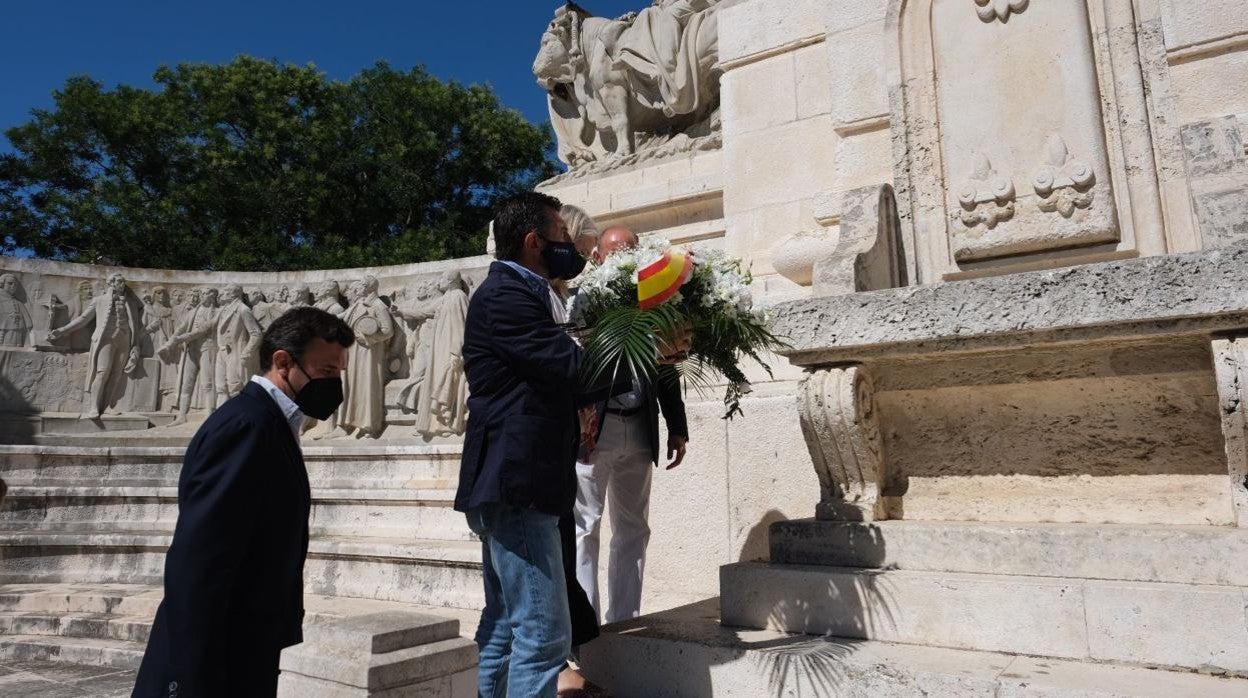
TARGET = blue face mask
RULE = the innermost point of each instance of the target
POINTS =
(563, 260)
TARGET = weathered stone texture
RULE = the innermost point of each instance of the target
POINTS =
(1182, 294)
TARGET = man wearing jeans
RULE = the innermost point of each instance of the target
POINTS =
(517, 472)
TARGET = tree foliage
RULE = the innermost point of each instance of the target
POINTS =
(255, 165)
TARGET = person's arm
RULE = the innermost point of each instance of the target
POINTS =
(77, 323)
(672, 405)
(530, 342)
(219, 497)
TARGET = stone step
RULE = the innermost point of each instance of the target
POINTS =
(686, 652)
(118, 654)
(342, 467)
(1196, 627)
(428, 572)
(424, 511)
(1177, 554)
(126, 612)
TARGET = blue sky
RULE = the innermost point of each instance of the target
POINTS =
(123, 41)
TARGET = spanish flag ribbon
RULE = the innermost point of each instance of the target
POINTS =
(658, 281)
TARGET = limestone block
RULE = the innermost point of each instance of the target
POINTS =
(1207, 555)
(380, 654)
(1030, 677)
(687, 653)
(1211, 86)
(864, 158)
(770, 476)
(1028, 615)
(1186, 25)
(857, 74)
(1230, 362)
(1218, 169)
(753, 234)
(760, 95)
(667, 171)
(814, 88)
(778, 165)
(689, 517)
(1113, 301)
(1168, 625)
(760, 26)
(1055, 450)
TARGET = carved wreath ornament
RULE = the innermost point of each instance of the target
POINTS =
(989, 10)
(1063, 183)
(987, 198)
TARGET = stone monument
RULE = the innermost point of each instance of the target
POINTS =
(1004, 454)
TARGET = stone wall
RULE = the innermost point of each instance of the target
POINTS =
(45, 359)
(869, 144)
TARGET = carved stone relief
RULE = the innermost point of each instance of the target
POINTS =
(620, 87)
(1063, 183)
(173, 352)
(986, 197)
(842, 431)
(1016, 134)
(15, 322)
(990, 10)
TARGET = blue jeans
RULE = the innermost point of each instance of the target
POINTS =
(525, 636)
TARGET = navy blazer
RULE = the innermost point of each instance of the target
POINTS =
(234, 572)
(523, 383)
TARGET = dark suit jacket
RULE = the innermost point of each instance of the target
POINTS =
(523, 383)
(663, 394)
(234, 573)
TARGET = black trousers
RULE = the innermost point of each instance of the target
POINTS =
(584, 619)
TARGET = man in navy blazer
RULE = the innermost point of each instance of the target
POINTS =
(518, 471)
(234, 572)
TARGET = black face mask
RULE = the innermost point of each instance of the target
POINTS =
(563, 260)
(319, 397)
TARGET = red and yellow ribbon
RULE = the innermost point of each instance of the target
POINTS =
(658, 281)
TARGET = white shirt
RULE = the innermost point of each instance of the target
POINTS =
(288, 407)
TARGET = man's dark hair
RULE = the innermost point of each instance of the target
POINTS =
(296, 329)
(517, 216)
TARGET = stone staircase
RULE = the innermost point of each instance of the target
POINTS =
(84, 531)
(903, 608)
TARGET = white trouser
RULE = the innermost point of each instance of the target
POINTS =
(622, 471)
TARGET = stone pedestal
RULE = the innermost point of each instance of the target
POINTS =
(381, 654)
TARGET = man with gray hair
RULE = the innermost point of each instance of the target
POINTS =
(114, 347)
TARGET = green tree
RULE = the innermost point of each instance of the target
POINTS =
(254, 165)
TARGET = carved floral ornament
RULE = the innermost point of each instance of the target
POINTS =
(1063, 183)
(987, 198)
(990, 10)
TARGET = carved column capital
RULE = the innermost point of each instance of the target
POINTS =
(842, 430)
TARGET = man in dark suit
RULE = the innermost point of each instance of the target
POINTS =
(516, 475)
(518, 470)
(234, 573)
(617, 463)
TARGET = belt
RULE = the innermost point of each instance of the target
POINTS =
(623, 413)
